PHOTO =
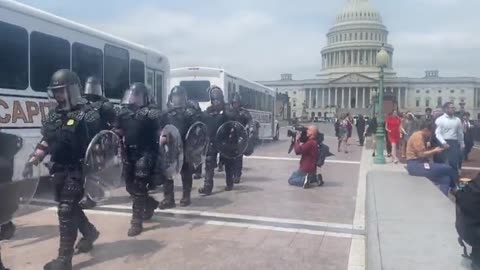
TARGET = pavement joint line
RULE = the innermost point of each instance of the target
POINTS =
(297, 159)
(234, 220)
(232, 224)
(471, 168)
(357, 254)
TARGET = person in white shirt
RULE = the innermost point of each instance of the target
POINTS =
(449, 133)
(468, 129)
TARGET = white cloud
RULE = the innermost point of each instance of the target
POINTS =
(250, 43)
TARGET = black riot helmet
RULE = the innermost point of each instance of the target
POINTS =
(93, 86)
(137, 95)
(65, 89)
(236, 100)
(216, 96)
(178, 97)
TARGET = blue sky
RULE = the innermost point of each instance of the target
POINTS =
(261, 39)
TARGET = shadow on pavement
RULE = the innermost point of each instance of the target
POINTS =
(211, 201)
(35, 233)
(242, 188)
(138, 249)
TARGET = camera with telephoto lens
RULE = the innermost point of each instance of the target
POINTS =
(296, 129)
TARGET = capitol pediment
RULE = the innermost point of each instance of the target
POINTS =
(353, 78)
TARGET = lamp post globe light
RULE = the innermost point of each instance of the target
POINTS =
(382, 63)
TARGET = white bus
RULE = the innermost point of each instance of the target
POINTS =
(34, 44)
(258, 99)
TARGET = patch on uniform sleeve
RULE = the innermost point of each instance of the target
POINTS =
(70, 122)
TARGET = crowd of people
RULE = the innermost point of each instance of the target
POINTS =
(442, 135)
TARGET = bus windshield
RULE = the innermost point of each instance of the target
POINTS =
(197, 90)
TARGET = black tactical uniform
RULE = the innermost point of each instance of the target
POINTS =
(182, 114)
(233, 168)
(137, 122)
(94, 95)
(66, 133)
(214, 117)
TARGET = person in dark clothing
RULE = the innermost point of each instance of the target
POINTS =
(469, 135)
(233, 168)
(308, 162)
(93, 93)
(361, 123)
(66, 134)
(214, 117)
(138, 123)
(182, 115)
(371, 131)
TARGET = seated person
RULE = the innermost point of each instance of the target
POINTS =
(308, 161)
(418, 163)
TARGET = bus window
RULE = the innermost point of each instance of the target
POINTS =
(117, 69)
(159, 89)
(137, 71)
(197, 90)
(87, 61)
(47, 55)
(13, 56)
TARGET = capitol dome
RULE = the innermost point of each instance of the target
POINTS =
(357, 10)
(353, 42)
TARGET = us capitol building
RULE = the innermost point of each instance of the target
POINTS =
(349, 78)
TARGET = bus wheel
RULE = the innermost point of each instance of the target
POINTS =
(277, 134)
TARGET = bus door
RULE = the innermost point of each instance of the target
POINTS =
(155, 83)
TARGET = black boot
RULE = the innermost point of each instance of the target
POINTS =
(152, 204)
(136, 228)
(61, 263)
(7, 231)
(85, 244)
(208, 183)
(236, 180)
(168, 196)
(229, 187)
(185, 201)
(138, 211)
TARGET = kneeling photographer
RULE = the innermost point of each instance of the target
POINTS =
(305, 145)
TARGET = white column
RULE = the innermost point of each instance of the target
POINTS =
(364, 97)
(358, 57)
(336, 97)
(357, 97)
(351, 58)
(399, 97)
(350, 97)
(365, 61)
(406, 99)
(319, 98)
(329, 96)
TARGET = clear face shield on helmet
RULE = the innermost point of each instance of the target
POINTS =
(178, 100)
(93, 88)
(134, 98)
(66, 96)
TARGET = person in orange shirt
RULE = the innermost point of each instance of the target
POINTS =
(418, 163)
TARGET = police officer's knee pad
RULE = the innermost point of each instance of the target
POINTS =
(65, 210)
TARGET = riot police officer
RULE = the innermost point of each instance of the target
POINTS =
(94, 95)
(233, 167)
(182, 114)
(66, 135)
(137, 121)
(214, 117)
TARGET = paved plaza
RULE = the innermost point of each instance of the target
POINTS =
(263, 224)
